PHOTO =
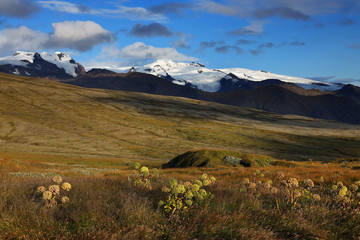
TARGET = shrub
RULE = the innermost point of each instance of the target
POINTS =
(53, 195)
(347, 198)
(142, 176)
(181, 196)
(287, 194)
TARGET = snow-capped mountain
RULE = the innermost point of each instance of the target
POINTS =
(57, 65)
(211, 80)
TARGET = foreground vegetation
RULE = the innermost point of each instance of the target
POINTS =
(244, 202)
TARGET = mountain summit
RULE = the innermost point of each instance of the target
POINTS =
(57, 65)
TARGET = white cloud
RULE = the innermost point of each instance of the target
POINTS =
(79, 35)
(21, 38)
(217, 8)
(182, 41)
(67, 7)
(254, 28)
(133, 13)
(119, 11)
(140, 50)
(135, 54)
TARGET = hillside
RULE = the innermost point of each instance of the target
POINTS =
(270, 95)
(42, 116)
(289, 99)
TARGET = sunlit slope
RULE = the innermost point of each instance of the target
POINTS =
(42, 116)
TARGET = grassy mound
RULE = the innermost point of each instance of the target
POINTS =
(215, 158)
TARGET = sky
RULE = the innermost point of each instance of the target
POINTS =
(317, 39)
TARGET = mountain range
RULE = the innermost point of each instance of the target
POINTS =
(234, 86)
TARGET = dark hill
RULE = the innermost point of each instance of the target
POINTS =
(350, 91)
(281, 99)
(270, 95)
(134, 82)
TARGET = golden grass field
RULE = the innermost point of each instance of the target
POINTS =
(93, 137)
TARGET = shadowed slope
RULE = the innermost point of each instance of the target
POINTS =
(135, 81)
(288, 99)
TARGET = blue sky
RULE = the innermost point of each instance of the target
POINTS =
(317, 39)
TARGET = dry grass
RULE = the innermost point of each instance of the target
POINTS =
(106, 206)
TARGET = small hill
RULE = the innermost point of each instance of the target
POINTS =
(350, 91)
(215, 158)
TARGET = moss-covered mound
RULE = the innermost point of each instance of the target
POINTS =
(215, 158)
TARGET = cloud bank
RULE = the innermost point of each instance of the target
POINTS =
(118, 11)
(21, 38)
(78, 35)
(151, 30)
(18, 8)
(140, 50)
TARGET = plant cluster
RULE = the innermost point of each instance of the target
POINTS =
(142, 176)
(286, 193)
(183, 195)
(54, 194)
(348, 197)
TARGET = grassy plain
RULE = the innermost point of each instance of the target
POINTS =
(92, 138)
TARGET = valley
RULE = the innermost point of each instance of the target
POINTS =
(49, 117)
